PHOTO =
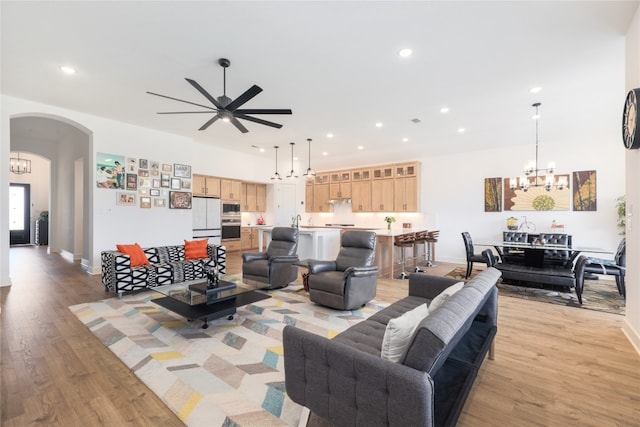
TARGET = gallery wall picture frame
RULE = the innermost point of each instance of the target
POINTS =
(132, 181)
(181, 171)
(143, 191)
(132, 165)
(143, 172)
(179, 200)
(166, 168)
(126, 199)
(145, 202)
(154, 192)
(144, 182)
(176, 184)
(155, 183)
(144, 164)
(186, 184)
(110, 171)
(160, 203)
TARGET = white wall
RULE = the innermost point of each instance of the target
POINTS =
(632, 318)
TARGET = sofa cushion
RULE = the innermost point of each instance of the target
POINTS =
(399, 332)
(138, 258)
(442, 296)
(195, 249)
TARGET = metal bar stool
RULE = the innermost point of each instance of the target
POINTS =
(403, 241)
(421, 237)
(432, 239)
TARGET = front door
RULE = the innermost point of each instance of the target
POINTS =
(20, 214)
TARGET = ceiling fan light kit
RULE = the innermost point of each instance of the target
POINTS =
(226, 108)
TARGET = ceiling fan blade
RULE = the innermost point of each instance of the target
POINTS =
(239, 125)
(185, 112)
(246, 96)
(263, 111)
(205, 93)
(181, 100)
(209, 122)
(256, 120)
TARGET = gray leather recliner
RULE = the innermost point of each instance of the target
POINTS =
(275, 266)
(351, 280)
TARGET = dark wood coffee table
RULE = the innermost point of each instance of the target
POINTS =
(195, 300)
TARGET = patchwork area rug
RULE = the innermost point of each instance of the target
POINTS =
(598, 295)
(231, 374)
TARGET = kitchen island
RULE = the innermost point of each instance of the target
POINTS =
(313, 243)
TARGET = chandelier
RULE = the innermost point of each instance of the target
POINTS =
(533, 174)
(20, 166)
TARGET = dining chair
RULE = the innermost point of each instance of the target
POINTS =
(615, 267)
(471, 257)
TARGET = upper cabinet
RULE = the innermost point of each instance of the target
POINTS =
(253, 197)
(230, 190)
(205, 186)
(385, 188)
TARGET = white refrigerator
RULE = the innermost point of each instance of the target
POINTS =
(206, 219)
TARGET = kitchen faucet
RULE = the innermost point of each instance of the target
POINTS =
(298, 219)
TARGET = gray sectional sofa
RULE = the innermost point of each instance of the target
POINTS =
(345, 382)
(167, 265)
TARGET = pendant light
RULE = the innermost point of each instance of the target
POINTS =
(309, 173)
(276, 176)
(19, 166)
(292, 174)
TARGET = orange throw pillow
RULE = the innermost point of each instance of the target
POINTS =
(195, 249)
(135, 252)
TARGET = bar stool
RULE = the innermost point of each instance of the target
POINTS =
(421, 237)
(432, 239)
(404, 241)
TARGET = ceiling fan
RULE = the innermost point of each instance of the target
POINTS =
(226, 108)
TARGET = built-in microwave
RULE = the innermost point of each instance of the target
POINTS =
(230, 209)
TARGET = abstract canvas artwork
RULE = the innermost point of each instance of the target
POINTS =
(493, 194)
(537, 198)
(584, 191)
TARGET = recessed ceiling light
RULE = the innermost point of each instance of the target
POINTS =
(324, 153)
(262, 150)
(461, 130)
(68, 70)
(444, 110)
(329, 135)
(360, 147)
(404, 53)
(535, 89)
(379, 125)
(405, 139)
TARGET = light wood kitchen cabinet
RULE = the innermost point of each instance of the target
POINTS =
(321, 178)
(340, 190)
(382, 195)
(308, 196)
(360, 175)
(205, 186)
(361, 196)
(232, 245)
(405, 194)
(230, 190)
(382, 172)
(321, 198)
(248, 238)
(405, 170)
(254, 197)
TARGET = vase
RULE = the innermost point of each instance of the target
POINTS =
(389, 227)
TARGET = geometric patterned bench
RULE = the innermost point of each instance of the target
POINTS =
(167, 265)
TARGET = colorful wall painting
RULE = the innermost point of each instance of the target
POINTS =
(537, 198)
(584, 191)
(493, 194)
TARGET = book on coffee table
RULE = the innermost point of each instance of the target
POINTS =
(205, 288)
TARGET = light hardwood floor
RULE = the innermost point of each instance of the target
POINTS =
(554, 366)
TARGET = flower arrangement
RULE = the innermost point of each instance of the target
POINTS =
(389, 220)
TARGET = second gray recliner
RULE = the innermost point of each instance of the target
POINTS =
(351, 280)
(275, 266)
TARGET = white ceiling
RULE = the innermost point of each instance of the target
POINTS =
(335, 64)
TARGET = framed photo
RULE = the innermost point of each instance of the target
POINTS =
(154, 165)
(132, 181)
(143, 172)
(181, 171)
(126, 199)
(143, 191)
(166, 168)
(145, 202)
(155, 183)
(144, 182)
(186, 184)
(160, 203)
(179, 200)
(144, 164)
(131, 165)
(165, 180)
(154, 192)
(110, 171)
(176, 184)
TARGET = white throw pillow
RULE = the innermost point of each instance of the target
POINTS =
(442, 296)
(399, 332)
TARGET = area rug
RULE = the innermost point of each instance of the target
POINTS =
(598, 295)
(231, 374)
